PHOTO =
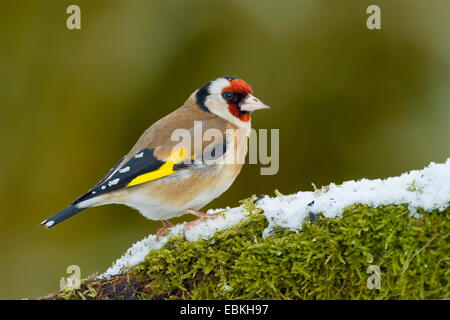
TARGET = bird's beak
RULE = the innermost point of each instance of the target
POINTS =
(251, 103)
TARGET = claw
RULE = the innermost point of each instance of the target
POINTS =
(161, 231)
(201, 216)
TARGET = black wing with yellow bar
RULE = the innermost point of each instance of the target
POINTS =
(143, 167)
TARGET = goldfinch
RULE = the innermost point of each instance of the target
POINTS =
(164, 178)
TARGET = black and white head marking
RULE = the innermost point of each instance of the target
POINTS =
(210, 99)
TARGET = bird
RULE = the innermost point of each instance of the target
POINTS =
(163, 177)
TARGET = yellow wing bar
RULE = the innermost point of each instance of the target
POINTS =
(165, 170)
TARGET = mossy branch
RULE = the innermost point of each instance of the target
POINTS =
(327, 259)
(123, 287)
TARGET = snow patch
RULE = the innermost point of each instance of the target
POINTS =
(428, 189)
(205, 230)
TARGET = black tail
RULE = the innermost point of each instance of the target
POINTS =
(61, 216)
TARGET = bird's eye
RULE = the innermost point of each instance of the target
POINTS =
(227, 95)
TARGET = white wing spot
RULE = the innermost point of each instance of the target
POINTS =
(103, 187)
(139, 155)
(49, 224)
(113, 182)
(123, 170)
(93, 192)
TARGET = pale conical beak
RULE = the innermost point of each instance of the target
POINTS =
(251, 103)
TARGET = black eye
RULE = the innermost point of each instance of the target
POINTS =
(227, 95)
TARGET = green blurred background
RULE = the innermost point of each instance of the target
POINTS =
(349, 102)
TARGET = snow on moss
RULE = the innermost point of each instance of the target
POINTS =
(206, 229)
(428, 189)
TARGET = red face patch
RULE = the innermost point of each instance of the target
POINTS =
(240, 87)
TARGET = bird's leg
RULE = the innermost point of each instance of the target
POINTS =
(201, 216)
(161, 231)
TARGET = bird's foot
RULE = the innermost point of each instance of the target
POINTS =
(201, 216)
(161, 231)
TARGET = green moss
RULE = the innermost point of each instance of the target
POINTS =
(84, 292)
(413, 188)
(327, 259)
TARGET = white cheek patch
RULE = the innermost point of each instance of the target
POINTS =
(214, 101)
(217, 105)
(216, 87)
